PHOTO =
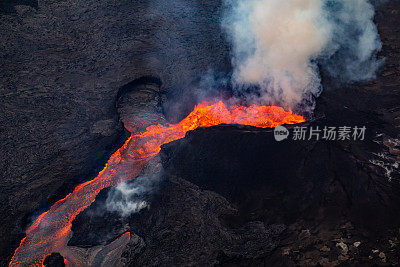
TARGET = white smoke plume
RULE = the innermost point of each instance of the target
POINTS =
(278, 44)
(126, 199)
(132, 196)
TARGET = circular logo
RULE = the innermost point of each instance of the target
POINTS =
(280, 133)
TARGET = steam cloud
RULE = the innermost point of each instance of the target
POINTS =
(132, 196)
(127, 199)
(277, 45)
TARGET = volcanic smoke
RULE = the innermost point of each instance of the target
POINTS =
(278, 46)
(51, 231)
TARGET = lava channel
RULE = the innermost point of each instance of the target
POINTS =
(51, 231)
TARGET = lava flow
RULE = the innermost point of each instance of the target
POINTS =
(51, 231)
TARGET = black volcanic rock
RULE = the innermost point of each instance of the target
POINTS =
(62, 64)
(241, 189)
(139, 105)
(284, 181)
(327, 193)
(184, 225)
(8, 6)
(54, 260)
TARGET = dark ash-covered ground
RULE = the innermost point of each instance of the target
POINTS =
(62, 64)
(230, 196)
(245, 199)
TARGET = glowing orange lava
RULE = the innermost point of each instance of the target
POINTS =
(51, 231)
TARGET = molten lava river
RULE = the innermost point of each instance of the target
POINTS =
(51, 231)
